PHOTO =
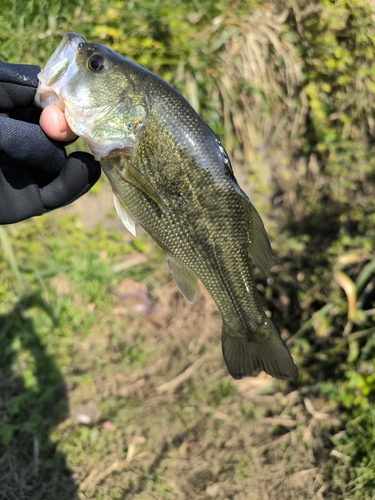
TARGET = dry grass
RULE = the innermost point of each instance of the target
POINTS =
(260, 55)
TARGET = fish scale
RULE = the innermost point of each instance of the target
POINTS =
(170, 174)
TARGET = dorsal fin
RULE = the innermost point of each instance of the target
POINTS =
(259, 245)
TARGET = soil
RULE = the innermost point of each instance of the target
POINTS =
(264, 441)
(173, 424)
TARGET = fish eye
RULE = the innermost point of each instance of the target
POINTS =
(96, 63)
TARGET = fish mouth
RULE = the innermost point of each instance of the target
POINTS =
(59, 69)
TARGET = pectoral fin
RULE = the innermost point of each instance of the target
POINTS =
(186, 281)
(124, 213)
(260, 248)
(135, 177)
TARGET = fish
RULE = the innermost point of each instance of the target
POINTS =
(171, 175)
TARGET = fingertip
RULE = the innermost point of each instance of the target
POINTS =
(54, 124)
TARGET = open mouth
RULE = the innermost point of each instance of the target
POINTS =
(58, 71)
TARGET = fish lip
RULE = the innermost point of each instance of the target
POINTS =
(59, 68)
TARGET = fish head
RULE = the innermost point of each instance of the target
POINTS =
(97, 90)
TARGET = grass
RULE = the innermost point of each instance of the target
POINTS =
(111, 386)
(102, 402)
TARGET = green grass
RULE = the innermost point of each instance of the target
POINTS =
(290, 91)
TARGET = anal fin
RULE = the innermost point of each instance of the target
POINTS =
(186, 281)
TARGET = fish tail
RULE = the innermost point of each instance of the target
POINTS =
(244, 357)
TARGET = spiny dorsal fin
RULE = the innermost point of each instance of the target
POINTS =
(186, 281)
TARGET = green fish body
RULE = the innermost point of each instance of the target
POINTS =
(170, 174)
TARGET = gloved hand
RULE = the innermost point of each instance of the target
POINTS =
(36, 175)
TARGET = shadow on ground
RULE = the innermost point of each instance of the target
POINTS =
(30, 407)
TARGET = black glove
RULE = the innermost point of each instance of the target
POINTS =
(36, 176)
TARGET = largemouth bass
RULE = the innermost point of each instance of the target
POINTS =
(170, 174)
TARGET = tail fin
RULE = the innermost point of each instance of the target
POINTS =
(271, 355)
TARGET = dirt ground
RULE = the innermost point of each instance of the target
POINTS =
(153, 413)
(193, 432)
(252, 439)
(261, 430)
